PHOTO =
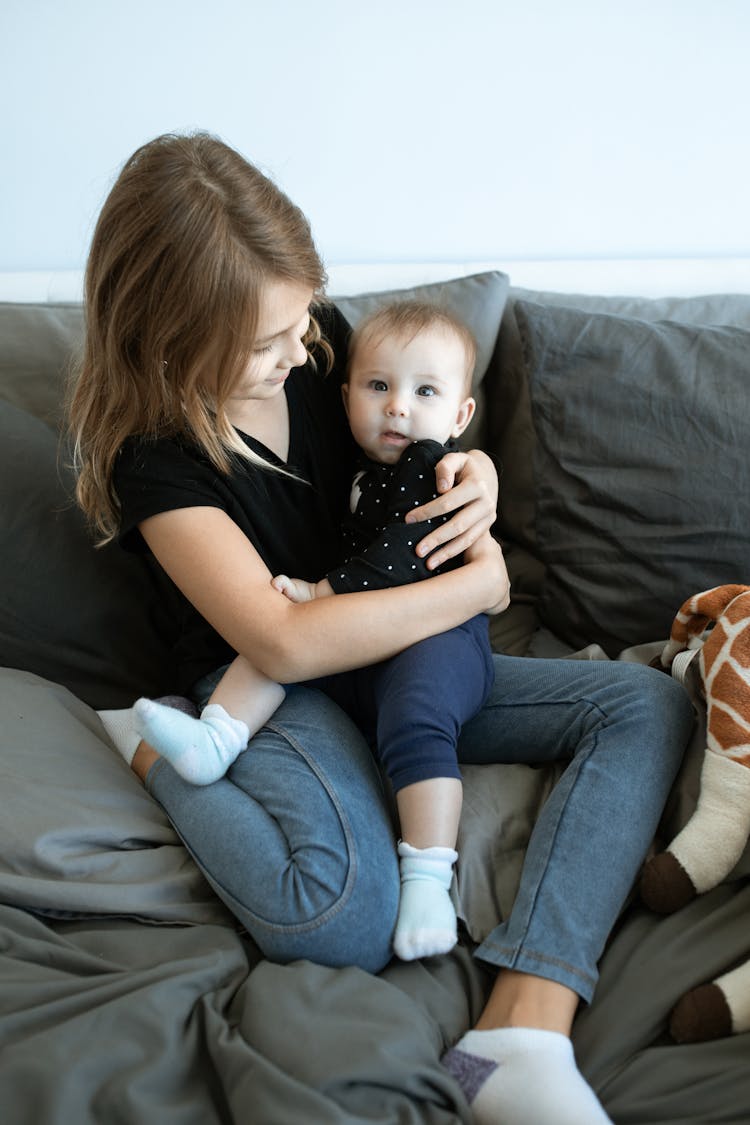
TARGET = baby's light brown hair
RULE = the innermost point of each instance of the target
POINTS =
(405, 320)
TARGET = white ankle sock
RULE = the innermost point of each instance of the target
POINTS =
(426, 923)
(200, 750)
(523, 1076)
(119, 727)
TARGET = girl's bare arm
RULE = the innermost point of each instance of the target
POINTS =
(220, 572)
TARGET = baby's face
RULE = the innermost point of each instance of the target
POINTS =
(404, 390)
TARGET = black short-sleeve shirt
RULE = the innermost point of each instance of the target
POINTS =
(294, 524)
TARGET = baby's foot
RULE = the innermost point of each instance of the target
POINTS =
(200, 750)
(426, 924)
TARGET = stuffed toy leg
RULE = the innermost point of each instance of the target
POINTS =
(713, 840)
(714, 1010)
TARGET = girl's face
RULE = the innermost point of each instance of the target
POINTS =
(283, 321)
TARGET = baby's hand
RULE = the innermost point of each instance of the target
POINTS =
(296, 589)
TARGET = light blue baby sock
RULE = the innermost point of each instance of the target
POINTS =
(200, 750)
(426, 923)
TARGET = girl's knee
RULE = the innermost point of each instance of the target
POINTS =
(641, 682)
(356, 931)
(668, 697)
(321, 879)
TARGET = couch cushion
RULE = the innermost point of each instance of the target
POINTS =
(37, 346)
(510, 431)
(89, 619)
(642, 473)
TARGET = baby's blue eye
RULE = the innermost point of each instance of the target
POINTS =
(426, 391)
(379, 385)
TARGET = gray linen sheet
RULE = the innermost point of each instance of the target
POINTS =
(171, 1014)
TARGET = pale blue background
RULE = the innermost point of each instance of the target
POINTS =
(440, 130)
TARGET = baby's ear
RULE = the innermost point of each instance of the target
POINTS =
(464, 416)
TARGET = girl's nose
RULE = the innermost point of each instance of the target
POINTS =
(297, 355)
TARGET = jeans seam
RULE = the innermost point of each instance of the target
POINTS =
(513, 953)
(346, 892)
(351, 874)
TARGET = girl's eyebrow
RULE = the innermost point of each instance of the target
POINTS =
(274, 335)
(268, 339)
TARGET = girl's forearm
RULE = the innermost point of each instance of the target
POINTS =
(335, 634)
(211, 561)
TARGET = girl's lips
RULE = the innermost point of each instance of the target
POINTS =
(394, 438)
(274, 380)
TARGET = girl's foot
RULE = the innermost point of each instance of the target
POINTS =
(523, 1076)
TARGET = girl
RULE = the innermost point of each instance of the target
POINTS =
(208, 439)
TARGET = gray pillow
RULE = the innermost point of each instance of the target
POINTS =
(510, 430)
(79, 834)
(37, 346)
(478, 300)
(89, 619)
(641, 466)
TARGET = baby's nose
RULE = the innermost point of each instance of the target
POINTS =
(397, 406)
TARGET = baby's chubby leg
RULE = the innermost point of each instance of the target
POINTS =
(429, 812)
(202, 750)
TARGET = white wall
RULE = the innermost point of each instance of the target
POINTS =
(443, 130)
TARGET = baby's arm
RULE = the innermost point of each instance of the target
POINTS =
(297, 590)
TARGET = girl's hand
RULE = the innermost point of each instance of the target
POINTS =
(489, 552)
(466, 481)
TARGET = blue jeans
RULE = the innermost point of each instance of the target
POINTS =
(298, 842)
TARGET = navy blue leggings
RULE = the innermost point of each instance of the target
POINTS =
(411, 708)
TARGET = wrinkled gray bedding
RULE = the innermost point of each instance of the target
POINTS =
(171, 1014)
(109, 1020)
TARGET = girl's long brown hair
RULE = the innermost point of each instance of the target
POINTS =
(187, 238)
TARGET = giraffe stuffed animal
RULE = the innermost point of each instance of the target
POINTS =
(713, 840)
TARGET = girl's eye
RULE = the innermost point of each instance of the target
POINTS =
(426, 391)
(263, 351)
